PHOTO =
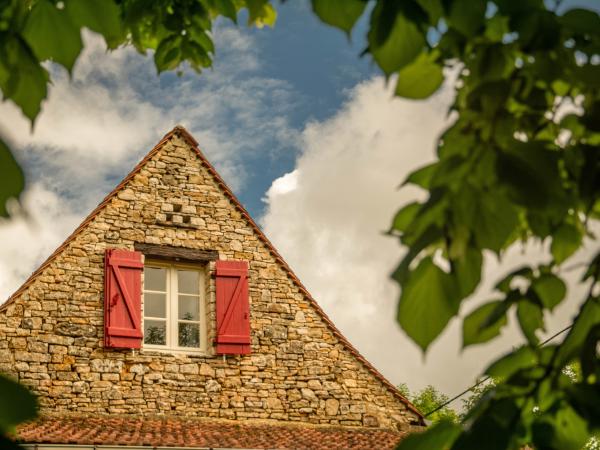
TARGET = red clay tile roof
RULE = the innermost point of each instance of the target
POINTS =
(168, 432)
(183, 133)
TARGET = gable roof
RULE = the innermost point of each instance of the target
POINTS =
(184, 134)
(181, 433)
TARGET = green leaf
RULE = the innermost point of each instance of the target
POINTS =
(503, 368)
(451, 171)
(493, 63)
(587, 319)
(489, 99)
(226, 8)
(587, 75)
(433, 8)
(342, 14)
(530, 172)
(168, 55)
(23, 405)
(203, 39)
(432, 214)
(12, 181)
(403, 44)
(565, 241)
(588, 356)
(261, 13)
(531, 319)
(101, 16)
(26, 81)
(423, 176)
(437, 437)
(428, 301)
(468, 271)
(484, 323)
(561, 87)
(582, 21)
(564, 430)
(52, 35)
(493, 427)
(550, 289)
(496, 28)
(585, 399)
(419, 79)
(490, 216)
(459, 238)
(512, 7)
(405, 216)
(467, 16)
(428, 237)
(504, 284)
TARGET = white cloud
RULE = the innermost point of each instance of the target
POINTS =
(26, 241)
(327, 218)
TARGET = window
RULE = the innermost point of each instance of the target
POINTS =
(174, 307)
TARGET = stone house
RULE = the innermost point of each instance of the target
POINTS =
(168, 319)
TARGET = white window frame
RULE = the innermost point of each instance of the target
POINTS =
(172, 316)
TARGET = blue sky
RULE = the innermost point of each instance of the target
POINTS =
(308, 136)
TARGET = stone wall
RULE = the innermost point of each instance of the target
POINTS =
(51, 333)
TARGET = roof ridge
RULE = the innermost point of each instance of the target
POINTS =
(179, 129)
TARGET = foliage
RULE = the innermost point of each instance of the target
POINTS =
(521, 161)
(428, 399)
(35, 31)
(18, 405)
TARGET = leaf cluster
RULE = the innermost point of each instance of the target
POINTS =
(33, 32)
(521, 161)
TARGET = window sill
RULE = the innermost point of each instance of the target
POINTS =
(149, 350)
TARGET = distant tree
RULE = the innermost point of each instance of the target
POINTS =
(429, 399)
(481, 388)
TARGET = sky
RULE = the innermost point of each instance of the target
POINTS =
(311, 140)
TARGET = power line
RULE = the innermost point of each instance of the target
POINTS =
(456, 397)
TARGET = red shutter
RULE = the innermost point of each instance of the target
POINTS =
(122, 299)
(233, 308)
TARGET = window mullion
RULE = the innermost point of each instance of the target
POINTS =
(202, 311)
(174, 308)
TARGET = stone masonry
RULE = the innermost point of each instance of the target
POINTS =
(300, 370)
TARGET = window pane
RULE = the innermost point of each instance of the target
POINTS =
(155, 332)
(188, 307)
(188, 282)
(155, 279)
(189, 335)
(155, 305)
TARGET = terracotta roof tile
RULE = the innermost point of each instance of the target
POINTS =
(170, 432)
(183, 133)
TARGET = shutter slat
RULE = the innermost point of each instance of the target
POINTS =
(233, 308)
(122, 299)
